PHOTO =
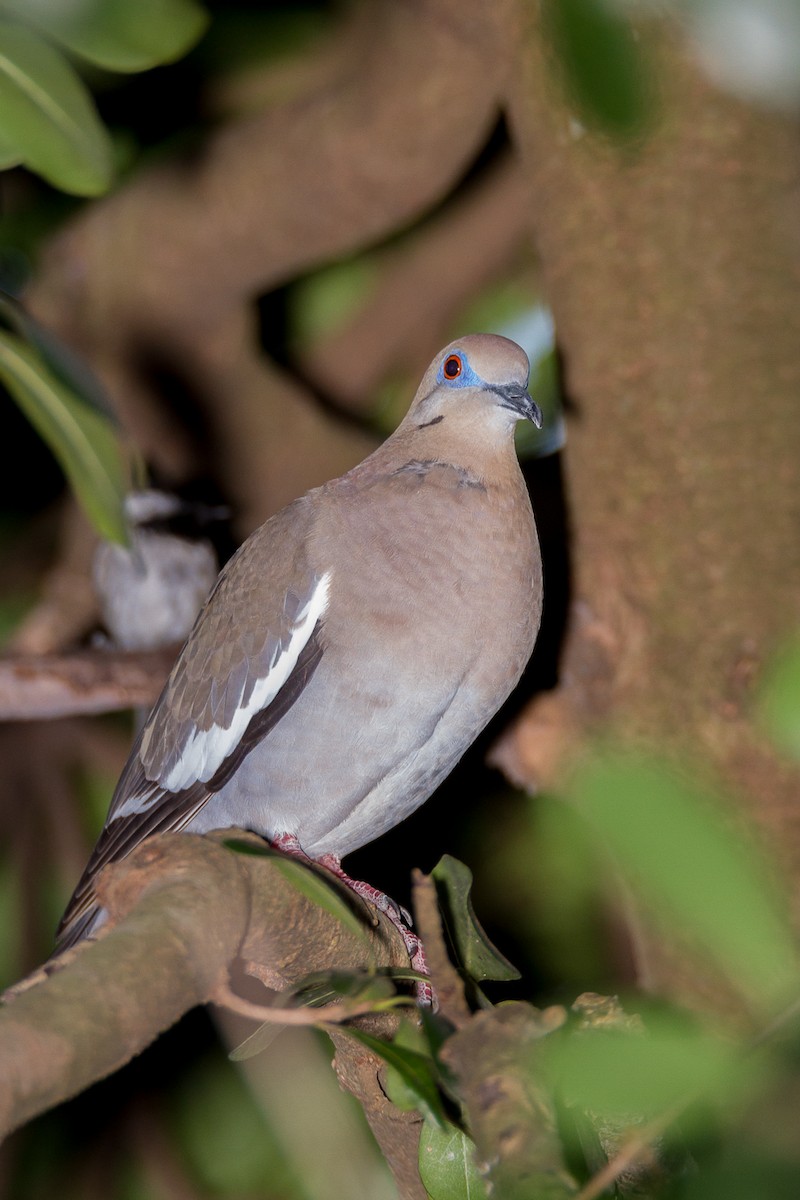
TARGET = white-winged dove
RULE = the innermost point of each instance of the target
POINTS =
(357, 642)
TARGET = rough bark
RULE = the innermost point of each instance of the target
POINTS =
(396, 1132)
(511, 1116)
(170, 946)
(673, 270)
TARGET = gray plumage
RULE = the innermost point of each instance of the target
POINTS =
(358, 641)
(151, 591)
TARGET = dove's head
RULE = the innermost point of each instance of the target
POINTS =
(480, 379)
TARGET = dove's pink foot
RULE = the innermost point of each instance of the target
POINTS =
(400, 918)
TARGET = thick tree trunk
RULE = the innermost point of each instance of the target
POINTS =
(673, 270)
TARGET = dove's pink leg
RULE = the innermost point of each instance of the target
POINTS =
(400, 918)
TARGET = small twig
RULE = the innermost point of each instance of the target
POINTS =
(332, 1014)
(638, 1144)
(444, 977)
(776, 1024)
(639, 1141)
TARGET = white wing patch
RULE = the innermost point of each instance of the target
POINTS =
(206, 749)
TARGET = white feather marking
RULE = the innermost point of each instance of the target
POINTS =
(206, 750)
(138, 802)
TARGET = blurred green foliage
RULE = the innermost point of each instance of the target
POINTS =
(674, 846)
(779, 699)
(619, 1073)
(117, 35)
(602, 65)
(321, 303)
(226, 1140)
(84, 440)
(48, 119)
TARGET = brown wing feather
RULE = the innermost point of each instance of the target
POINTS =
(246, 620)
(172, 811)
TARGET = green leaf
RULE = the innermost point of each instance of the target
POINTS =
(306, 880)
(676, 848)
(68, 367)
(740, 1170)
(479, 957)
(323, 987)
(638, 1075)
(569, 934)
(83, 441)
(417, 1071)
(120, 35)
(426, 1038)
(223, 1136)
(256, 849)
(408, 1037)
(351, 989)
(315, 991)
(601, 62)
(779, 699)
(447, 1164)
(9, 154)
(47, 117)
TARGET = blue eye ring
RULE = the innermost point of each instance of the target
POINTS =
(452, 367)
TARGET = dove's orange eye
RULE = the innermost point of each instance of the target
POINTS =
(452, 367)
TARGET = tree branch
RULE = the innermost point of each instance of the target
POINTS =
(510, 1111)
(421, 289)
(168, 948)
(87, 681)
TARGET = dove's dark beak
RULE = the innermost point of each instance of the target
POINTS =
(515, 397)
